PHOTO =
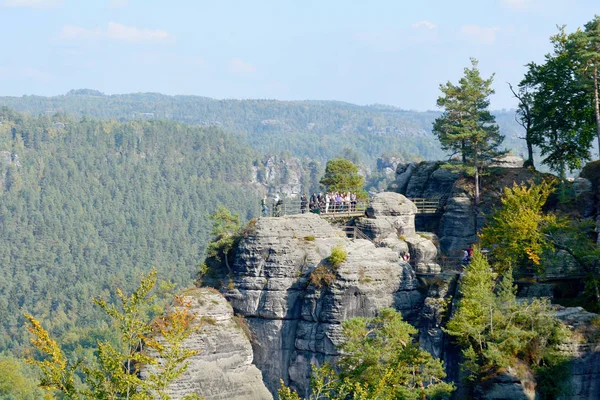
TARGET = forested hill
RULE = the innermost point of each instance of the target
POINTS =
(87, 205)
(317, 129)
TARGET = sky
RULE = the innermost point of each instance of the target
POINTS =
(364, 52)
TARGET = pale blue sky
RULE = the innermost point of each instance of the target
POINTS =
(390, 52)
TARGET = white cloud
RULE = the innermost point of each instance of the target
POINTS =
(515, 4)
(118, 3)
(483, 34)
(116, 31)
(131, 34)
(424, 24)
(32, 3)
(240, 67)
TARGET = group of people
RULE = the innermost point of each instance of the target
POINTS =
(330, 202)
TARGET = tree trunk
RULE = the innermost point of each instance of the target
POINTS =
(464, 156)
(226, 256)
(597, 105)
(529, 150)
(476, 173)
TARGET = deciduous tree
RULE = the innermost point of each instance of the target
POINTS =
(115, 372)
(379, 360)
(341, 175)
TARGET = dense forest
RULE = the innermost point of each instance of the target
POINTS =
(87, 206)
(319, 130)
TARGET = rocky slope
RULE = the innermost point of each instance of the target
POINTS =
(223, 367)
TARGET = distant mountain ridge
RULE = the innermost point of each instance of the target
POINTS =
(317, 129)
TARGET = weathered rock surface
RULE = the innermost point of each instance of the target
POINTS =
(507, 385)
(584, 382)
(391, 223)
(295, 323)
(508, 161)
(223, 368)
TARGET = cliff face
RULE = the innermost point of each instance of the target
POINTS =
(223, 368)
(295, 323)
(459, 221)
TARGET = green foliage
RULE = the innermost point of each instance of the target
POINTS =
(585, 44)
(115, 372)
(467, 126)
(495, 331)
(225, 234)
(379, 361)
(320, 130)
(338, 256)
(562, 117)
(99, 202)
(341, 175)
(576, 238)
(18, 381)
(516, 233)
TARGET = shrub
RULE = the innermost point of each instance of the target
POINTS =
(309, 238)
(321, 276)
(338, 256)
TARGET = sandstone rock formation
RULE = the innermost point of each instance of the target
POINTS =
(223, 368)
(391, 223)
(295, 322)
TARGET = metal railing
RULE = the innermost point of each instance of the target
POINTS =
(352, 232)
(296, 206)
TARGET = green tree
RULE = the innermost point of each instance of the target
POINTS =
(562, 119)
(17, 382)
(115, 372)
(517, 232)
(495, 331)
(379, 360)
(225, 233)
(586, 45)
(466, 126)
(341, 175)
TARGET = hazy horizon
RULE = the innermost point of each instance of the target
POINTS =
(383, 52)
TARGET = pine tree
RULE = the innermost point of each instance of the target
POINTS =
(467, 126)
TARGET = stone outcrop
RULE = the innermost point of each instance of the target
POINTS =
(390, 222)
(295, 322)
(223, 367)
(508, 161)
(584, 382)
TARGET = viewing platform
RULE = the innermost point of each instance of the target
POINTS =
(425, 206)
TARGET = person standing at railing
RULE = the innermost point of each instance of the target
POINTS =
(303, 203)
(277, 202)
(313, 202)
(353, 201)
(327, 201)
(265, 208)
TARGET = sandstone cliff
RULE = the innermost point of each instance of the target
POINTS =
(223, 368)
(296, 323)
